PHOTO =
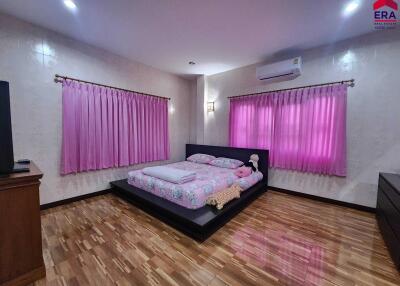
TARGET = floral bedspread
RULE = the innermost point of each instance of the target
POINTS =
(192, 195)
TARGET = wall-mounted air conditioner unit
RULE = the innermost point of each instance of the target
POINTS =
(280, 71)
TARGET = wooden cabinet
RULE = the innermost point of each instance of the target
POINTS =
(388, 213)
(21, 259)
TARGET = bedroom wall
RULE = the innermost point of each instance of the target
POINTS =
(193, 111)
(30, 57)
(201, 84)
(373, 118)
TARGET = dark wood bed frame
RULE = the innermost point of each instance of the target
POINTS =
(203, 222)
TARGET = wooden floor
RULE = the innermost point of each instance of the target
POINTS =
(278, 240)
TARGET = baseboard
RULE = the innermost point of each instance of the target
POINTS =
(74, 199)
(308, 196)
(325, 200)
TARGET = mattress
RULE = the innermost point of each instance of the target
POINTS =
(193, 194)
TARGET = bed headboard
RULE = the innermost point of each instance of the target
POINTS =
(242, 154)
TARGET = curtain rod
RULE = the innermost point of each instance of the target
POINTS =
(350, 83)
(58, 78)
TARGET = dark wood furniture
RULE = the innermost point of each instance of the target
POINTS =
(388, 213)
(21, 260)
(203, 222)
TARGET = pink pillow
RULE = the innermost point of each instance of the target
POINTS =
(226, 163)
(201, 158)
(243, 172)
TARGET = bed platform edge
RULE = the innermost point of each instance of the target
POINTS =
(198, 224)
(203, 222)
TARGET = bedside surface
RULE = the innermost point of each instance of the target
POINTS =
(392, 179)
(33, 174)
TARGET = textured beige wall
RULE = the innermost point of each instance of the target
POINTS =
(373, 112)
(29, 59)
(30, 56)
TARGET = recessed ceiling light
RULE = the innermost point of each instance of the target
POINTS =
(351, 7)
(192, 63)
(70, 4)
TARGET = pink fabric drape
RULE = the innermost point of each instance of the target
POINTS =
(105, 128)
(304, 129)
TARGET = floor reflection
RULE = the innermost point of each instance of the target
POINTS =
(292, 257)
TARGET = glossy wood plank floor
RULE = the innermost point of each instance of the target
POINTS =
(278, 240)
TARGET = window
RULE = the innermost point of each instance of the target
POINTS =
(304, 130)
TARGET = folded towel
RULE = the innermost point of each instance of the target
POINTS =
(169, 174)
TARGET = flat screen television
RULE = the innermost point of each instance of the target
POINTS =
(7, 165)
(6, 143)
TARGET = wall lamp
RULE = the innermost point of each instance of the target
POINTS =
(210, 106)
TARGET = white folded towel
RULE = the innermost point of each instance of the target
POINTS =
(169, 174)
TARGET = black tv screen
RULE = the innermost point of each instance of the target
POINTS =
(6, 144)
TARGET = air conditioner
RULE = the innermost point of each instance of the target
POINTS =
(280, 71)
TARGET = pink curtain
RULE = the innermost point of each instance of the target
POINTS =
(105, 128)
(304, 129)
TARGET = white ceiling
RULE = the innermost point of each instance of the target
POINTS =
(217, 34)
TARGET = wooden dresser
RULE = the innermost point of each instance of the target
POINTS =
(21, 260)
(388, 213)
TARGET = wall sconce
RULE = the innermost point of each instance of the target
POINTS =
(210, 106)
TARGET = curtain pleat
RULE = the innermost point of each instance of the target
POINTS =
(105, 128)
(304, 129)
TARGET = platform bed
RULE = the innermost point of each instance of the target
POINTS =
(203, 222)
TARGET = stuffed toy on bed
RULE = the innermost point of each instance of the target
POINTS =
(253, 162)
(249, 167)
(223, 197)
